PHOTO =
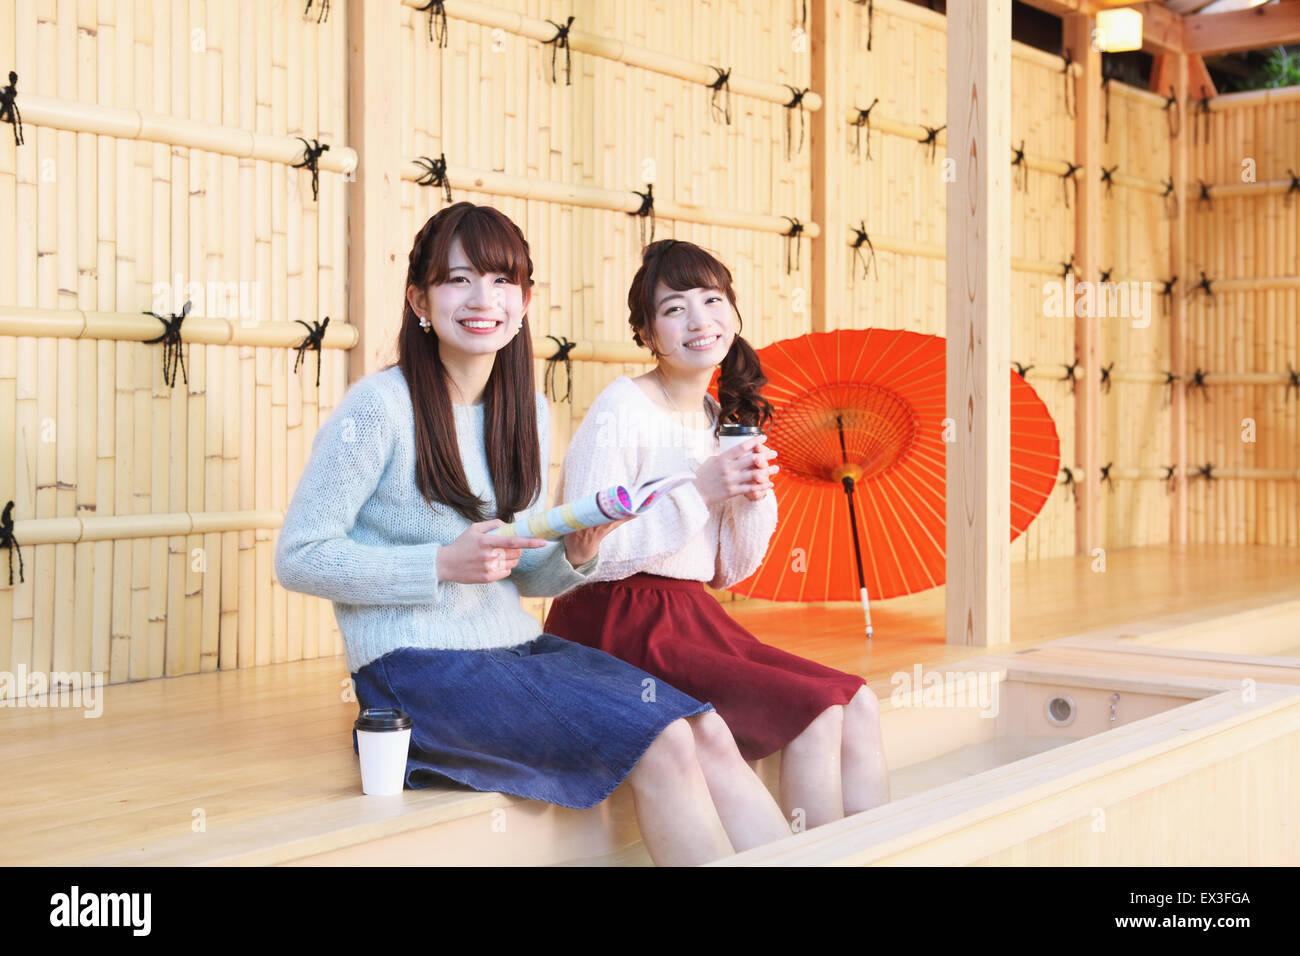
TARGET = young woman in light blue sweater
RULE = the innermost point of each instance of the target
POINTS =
(389, 521)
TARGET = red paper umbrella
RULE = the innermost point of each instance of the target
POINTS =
(858, 421)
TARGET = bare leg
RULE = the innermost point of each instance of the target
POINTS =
(810, 771)
(678, 822)
(866, 778)
(749, 814)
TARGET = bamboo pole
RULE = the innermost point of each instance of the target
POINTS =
(1252, 98)
(594, 197)
(139, 327)
(34, 531)
(614, 49)
(122, 123)
(1179, 159)
(262, 456)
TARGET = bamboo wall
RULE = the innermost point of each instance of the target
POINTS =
(1253, 235)
(92, 223)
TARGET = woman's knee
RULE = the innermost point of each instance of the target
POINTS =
(826, 729)
(671, 754)
(864, 708)
(713, 738)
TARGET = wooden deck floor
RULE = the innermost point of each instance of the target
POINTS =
(256, 765)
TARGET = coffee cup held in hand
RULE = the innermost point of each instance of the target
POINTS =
(383, 739)
(729, 436)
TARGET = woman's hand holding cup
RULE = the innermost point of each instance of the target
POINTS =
(736, 471)
(477, 557)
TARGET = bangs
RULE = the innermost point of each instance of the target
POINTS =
(491, 244)
(685, 266)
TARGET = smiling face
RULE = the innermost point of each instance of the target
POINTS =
(693, 328)
(473, 313)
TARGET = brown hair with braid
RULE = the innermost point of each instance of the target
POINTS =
(681, 266)
(493, 244)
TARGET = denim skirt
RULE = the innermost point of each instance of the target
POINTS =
(549, 720)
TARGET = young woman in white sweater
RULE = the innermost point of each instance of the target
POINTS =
(390, 520)
(649, 606)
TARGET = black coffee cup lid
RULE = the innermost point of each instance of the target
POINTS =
(383, 718)
(733, 429)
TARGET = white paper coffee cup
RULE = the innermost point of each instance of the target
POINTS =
(383, 739)
(732, 435)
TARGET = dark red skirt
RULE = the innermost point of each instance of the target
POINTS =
(678, 632)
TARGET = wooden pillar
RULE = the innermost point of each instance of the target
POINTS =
(377, 246)
(830, 22)
(1087, 254)
(1177, 309)
(979, 337)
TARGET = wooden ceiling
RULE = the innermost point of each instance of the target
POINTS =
(1200, 27)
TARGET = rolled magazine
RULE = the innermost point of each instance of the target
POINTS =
(603, 507)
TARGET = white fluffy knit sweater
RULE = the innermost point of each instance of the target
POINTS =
(359, 533)
(626, 439)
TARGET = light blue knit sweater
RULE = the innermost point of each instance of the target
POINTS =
(359, 532)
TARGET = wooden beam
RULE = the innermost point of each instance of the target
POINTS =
(1199, 81)
(1276, 24)
(832, 26)
(1087, 256)
(1179, 166)
(377, 247)
(1162, 30)
(1162, 77)
(978, 466)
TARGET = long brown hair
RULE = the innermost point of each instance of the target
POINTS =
(680, 266)
(493, 243)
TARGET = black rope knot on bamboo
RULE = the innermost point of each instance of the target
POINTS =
(1105, 88)
(435, 9)
(1106, 274)
(1167, 387)
(1205, 196)
(1173, 113)
(1206, 471)
(1293, 188)
(863, 121)
(1293, 380)
(1067, 267)
(721, 84)
(561, 355)
(1019, 161)
(324, 10)
(1171, 479)
(561, 42)
(9, 111)
(795, 233)
(1106, 175)
(1198, 381)
(796, 102)
(1203, 285)
(1172, 204)
(1106, 478)
(644, 211)
(1070, 101)
(435, 173)
(10, 543)
(931, 137)
(1021, 369)
(171, 343)
(871, 15)
(859, 237)
(312, 150)
(1202, 109)
(1069, 373)
(1066, 177)
(1167, 294)
(315, 334)
(1105, 377)
(1068, 482)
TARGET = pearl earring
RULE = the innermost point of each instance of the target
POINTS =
(425, 323)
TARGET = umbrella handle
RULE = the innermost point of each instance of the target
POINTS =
(866, 611)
